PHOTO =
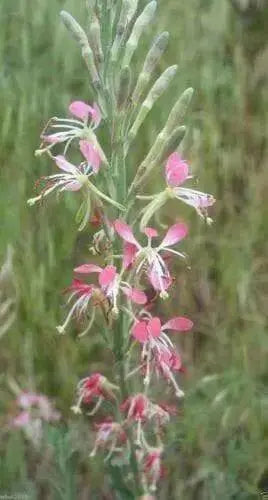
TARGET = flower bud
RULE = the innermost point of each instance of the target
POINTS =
(95, 39)
(141, 23)
(88, 57)
(178, 111)
(156, 91)
(132, 10)
(150, 63)
(124, 87)
(121, 28)
(80, 36)
(165, 146)
(74, 28)
(153, 207)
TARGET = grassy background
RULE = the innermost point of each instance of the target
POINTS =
(217, 446)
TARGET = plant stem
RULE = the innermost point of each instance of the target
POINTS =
(120, 327)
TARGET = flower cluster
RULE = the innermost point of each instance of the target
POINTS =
(34, 410)
(118, 294)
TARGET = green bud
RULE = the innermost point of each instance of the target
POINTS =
(74, 28)
(152, 208)
(168, 145)
(172, 143)
(155, 52)
(141, 23)
(80, 36)
(179, 110)
(88, 57)
(121, 28)
(175, 116)
(150, 63)
(95, 39)
(132, 10)
(161, 84)
(124, 87)
(156, 91)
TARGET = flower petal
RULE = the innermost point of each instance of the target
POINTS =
(175, 234)
(154, 327)
(150, 232)
(82, 110)
(64, 164)
(91, 155)
(125, 231)
(129, 253)
(52, 138)
(21, 420)
(180, 324)
(135, 295)
(87, 269)
(80, 287)
(140, 332)
(161, 281)
(177, 170)
(107, 275)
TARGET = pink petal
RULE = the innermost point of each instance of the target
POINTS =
(80, 288)
(22, 419)
(52, 139)
(125, 231)
(129, 253)
(159, 282)
(175, 233)
(64, 164)
(82, 110)
(107, 275)
(140, 332)
(27, 399)
(135, 295)
(154, 327)
(150, 232)
(73, 186)
(91, 155)
(170, 358)
(87, 269)
(177, 170)
(180, 324)
(205, 200)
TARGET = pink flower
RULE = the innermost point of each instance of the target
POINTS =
(22, 419)
(33, 407)
(96, 386)
(110, 284)
(136, 407)
(91, 154)
(73, 179)
(83, 294)
(177, 172)
(158, 351)
(153, 467)
(84, 111)
(65, 130)
(134, 253)
(110, 435)
(151, 330)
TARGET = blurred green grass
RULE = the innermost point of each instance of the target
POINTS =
(217, 447)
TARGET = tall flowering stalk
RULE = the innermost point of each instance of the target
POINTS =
(136, 259)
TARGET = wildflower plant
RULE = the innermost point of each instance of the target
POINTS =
(136, 261)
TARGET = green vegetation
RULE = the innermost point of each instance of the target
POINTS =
(217, 443)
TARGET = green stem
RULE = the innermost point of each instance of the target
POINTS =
(121, 327)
